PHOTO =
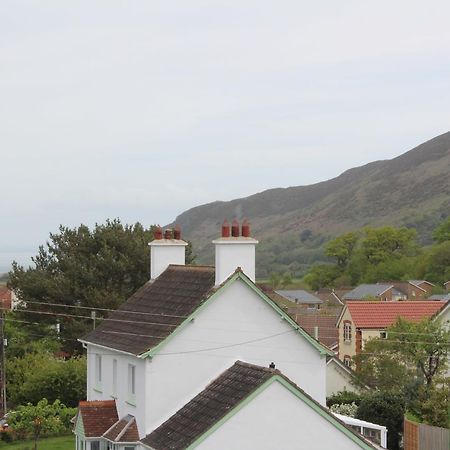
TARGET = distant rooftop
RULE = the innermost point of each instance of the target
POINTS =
(367, 291)
(300, 296)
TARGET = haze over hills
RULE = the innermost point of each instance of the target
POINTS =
(293, 223)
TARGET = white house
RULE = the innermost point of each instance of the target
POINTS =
(181, 330)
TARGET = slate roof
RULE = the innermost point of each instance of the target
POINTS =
(98, 416)
(367, 314)
(155, 311)
(300, 296)
(442, 297)
(367, 290)
(212, 404)
(124, 430)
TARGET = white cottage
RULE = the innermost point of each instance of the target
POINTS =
(184, 328)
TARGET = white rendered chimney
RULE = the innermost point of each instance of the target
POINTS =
(237, 250)
(166, 250)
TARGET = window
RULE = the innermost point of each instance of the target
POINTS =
(347, 331)
(98, 372)
(383, 335)
(129, 447)
(131, 383)
(95, 445)
(114, 378)
(347, 361)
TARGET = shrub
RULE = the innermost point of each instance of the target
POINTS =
(344, 398)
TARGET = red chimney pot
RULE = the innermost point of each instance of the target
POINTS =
(177, 232)
(168, 234)
(157, 234)
(245, 228)
(225, 229)
(235, 228)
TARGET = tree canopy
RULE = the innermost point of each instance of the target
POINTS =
(80, 267)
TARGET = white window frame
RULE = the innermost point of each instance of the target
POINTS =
(132, 384)
(114, 378)
(347, 332)
(347, 361)
(98, 372)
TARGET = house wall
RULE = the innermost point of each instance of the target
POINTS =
(125, 404)
(346, 348)
(338, 379)
(234, 326)
(258, 426)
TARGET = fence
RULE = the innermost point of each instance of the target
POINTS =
(418, 436)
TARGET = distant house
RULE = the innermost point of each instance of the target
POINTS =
(379, 291)
(329, 297)
(301, 297)
(391, 291)
(363, 320)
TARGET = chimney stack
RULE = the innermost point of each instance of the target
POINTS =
(235, 251)
(166, 251)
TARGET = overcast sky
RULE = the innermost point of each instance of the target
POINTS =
(143, 109)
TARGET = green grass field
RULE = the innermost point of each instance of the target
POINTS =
(54, 443)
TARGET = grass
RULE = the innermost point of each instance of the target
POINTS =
(53, 443)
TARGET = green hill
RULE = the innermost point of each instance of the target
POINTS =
(293, 223)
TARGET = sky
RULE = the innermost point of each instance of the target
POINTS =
(140, 110)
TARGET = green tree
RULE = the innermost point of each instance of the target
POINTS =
(384, 409)
(342, 248)
(380, 244)
(321, 275)
(97, 268)
(42, 418)
(39, 374)
(442, 232)
(437, 266)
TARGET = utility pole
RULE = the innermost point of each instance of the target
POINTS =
(2, 365)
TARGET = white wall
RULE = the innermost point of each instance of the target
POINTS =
(125, 404)
(277, 419)
(237, 315)
(338, 379)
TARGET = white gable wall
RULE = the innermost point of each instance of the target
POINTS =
(338, 379)
(235, 316)
(258, 426)
(125, 403)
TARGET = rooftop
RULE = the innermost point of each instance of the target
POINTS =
(218, 399)
(367, 290)
(155, 311)
(300, 296)
(98, 416)
(367, 314)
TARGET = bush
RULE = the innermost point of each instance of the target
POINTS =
(346, 409)
(387, 410)
(42, 419)
(344, 398)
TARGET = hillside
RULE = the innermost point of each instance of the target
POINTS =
(293, 223)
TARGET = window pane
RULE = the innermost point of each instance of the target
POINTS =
(95, 445)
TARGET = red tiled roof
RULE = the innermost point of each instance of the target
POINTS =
(124, 430)
(366, 314)
(326, 324)
(98, 416)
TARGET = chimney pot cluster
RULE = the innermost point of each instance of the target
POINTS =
(169, 233)
(236, 230)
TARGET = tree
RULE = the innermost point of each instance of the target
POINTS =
(384, 409)
(321, 275)
(442, 232)
(380, 244)
(342, 248)
(43, 418)
(97, 268)
(438, 263)
(39, 374)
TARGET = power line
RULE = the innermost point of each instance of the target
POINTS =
(92, 308)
